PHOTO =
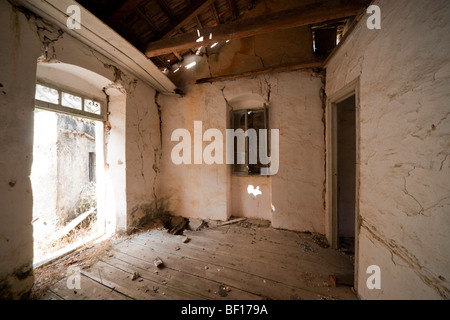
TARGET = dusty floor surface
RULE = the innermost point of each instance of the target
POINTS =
(245, 260)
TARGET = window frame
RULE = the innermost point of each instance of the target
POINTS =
(246, 173)
(103, 116)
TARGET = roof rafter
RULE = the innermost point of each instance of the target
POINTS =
(126, 8)
(190, 14)
(300, 16)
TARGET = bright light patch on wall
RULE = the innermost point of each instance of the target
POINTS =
(227, 41)
(176, 70)
(190, 65)
(200, 39)
(198, 33)
(273, 207)
(210, 36)
(251, 190)
(213, 45)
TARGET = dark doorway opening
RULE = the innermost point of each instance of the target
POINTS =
(346, 174)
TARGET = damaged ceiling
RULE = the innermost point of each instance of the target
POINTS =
(167, 31)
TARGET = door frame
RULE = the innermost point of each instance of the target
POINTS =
(331, 164)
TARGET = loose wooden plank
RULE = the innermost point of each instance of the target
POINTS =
(301, 16)
(73, 224)
(226, 223)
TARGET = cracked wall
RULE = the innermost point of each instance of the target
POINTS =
(296, 192)
(143, 149)
(404, 72)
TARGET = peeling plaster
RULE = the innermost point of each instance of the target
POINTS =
(118, 74)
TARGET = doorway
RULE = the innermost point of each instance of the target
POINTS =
(346, 174)
(343, 171)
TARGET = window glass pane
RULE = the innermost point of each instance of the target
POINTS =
(92, 106)
(46, 94)
(71, 101)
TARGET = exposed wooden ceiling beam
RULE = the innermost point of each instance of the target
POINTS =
(188, 16)
(253, 73)
(163, 5)
(214, 11)
(164, 62)
(199, 24)
(232, 8)
(179, 57)
(149, 21)
(281, 20)
(126, 8)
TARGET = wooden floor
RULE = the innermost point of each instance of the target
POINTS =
(229, 262)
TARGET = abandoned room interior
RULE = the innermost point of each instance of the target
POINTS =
(225, 149)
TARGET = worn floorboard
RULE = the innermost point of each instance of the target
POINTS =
(237, 262)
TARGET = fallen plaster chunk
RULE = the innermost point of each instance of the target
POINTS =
(157, 262)
(135, 276)
(186, 239)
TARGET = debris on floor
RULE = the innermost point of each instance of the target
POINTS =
(178, 225)
(342, 280)
(158, 262)
(306, 247)
(320, 240)
(196, 224)
(70, 262)
(232, 222)
(50, 273)
(135, 276)
(185, 239)
(223, 291)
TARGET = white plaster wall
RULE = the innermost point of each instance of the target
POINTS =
(143, 153)
(197, 191)
(115, 201)
(248, 205)
(298, 188)
(19, 51)
(404, 71)
(296, 191)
